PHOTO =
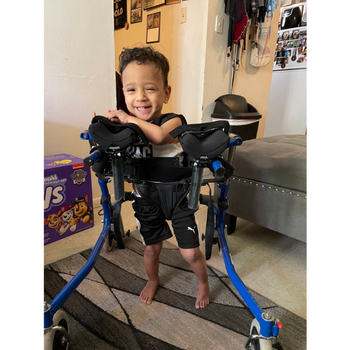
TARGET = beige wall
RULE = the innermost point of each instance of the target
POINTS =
(200, 70)
(254, 83)
(79, 76)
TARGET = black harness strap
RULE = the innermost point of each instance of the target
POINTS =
(116, 222)
(166, 117)
(209, 231)
(155, 169)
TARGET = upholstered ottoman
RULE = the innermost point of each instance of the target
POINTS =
(269, 185)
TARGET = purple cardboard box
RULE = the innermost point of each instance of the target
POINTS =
(67, 197)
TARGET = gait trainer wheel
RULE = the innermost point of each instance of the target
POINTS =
(57, 337)
(257, 343)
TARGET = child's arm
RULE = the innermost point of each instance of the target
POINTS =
(158, 135)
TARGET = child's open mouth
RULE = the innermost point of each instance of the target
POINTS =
(143, 108)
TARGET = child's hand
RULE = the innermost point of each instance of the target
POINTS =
(119, 116)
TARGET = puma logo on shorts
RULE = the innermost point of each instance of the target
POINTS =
(192, 229)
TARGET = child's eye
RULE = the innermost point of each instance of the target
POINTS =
(130, 90)
(150, 89)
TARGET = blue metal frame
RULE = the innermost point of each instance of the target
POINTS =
(268, 328)
(70, 287)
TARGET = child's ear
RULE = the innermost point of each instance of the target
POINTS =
(167, 93)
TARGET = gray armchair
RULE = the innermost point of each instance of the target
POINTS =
(269, 185)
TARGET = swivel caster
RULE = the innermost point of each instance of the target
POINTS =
(57, 336)
(255, 342)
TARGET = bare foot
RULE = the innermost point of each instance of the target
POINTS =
(148, 292)
(202, 296)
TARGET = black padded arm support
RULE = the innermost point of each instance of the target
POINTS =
(107, 133)
(203, 140)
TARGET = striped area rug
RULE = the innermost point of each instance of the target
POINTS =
(105, 311)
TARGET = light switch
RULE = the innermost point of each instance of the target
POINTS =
(183, 15)
(219, 24)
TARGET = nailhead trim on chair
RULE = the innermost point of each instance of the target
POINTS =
(269, 187)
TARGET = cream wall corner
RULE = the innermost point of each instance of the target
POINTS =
(254, 83)
(79, 76)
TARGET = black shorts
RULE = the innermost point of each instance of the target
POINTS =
(159, 202)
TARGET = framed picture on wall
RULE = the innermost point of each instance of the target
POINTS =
(120, 18)
(136, 11)
(153, 28)
(168, 2)
(148, 4)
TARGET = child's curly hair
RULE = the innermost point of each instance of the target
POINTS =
(145, 55)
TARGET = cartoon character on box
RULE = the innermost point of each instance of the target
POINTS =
(82, 210)
(55, 221)
(66, 214)
(59, 162)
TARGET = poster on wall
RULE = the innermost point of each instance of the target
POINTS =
(153, 28)
(120, 15)
(136, 11)
(148, 4)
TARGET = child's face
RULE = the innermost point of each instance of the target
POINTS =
(144, 90)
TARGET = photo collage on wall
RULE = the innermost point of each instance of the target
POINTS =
(291, 45)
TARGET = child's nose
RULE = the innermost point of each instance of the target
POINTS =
(141, 96)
